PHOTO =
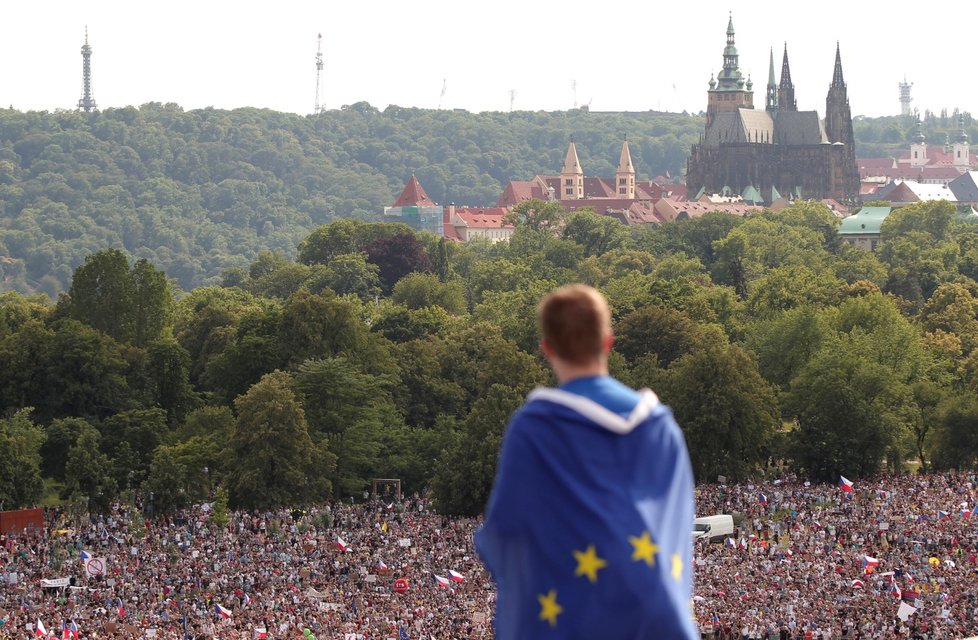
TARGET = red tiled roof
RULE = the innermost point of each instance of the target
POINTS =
(413, 195)
(483, 218)
(449, 231)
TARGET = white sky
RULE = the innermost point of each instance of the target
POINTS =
(645, 55)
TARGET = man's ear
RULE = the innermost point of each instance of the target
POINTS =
(609, 342)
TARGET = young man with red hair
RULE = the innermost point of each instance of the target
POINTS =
(588, 531)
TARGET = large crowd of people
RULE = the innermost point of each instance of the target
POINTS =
(895, 557)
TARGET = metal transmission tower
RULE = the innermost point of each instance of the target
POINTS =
(905, 98)
(319, 71)
(86, 102)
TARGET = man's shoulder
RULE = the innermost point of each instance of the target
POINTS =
(546, 405)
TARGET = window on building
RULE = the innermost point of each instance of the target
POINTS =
(568, 192)
(569, 181)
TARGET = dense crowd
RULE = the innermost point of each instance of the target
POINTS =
(819, 561)
(276, 575)
(807, 561)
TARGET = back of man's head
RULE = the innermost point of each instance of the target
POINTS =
(575, 323)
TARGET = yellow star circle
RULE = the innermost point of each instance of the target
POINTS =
(588, 563)
(549, 609)
(644, 548)
(677, 566)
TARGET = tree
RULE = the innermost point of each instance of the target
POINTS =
(87, 473)
(957, 434)
(397, 256)
(20, 461)
(132, 437)
(272, 460)
(667, 333)
(419, 290)
(166, 482)
(728, 413)
(351, 273)
(537, 215)
(168, 370)
(102, 293)
(595, 233)
(850, 411)
(61, 435)
(464, 477)
(152, 303)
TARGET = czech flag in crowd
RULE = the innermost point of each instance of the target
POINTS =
(845, 484)
(261, 633)
(441, 581)
(341, 544)
(39, 628)
(85, 555)
(762, 499)
(456, 576)
(895, 590)
(943, 515)
(870, 563)
(73, 630)
(221, 611)
(857, 584)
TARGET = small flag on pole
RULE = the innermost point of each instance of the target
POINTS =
(845, 484)
(456, 576)
(221, 611)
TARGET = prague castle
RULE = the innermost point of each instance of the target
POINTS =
(764, 155)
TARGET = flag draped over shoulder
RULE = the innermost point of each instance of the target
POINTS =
(588, 531)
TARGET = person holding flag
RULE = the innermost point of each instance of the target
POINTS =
(588, 530)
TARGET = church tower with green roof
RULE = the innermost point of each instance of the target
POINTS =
(729, 91)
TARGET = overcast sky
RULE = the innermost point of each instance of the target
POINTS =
(644, 55)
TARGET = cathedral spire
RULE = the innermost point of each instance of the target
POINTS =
(837, 80)
(772, 87)
(786, 90)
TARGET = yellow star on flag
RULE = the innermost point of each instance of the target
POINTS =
(677, 566)
(549, 609)
(589, 563)
(644, 548)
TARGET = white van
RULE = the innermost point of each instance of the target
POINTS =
(713, 527)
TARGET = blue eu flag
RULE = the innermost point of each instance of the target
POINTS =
(588, 531)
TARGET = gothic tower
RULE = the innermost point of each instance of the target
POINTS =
(625, 176)
(572, 176)
(87, 101)
(838, 127)
(729, 91)
(771, 103)
(786, 90)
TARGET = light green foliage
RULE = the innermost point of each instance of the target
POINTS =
(420, 290)
(596, 234)
(272, 460)
(728, 413)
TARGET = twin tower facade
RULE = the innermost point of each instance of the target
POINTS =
(776, 152)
